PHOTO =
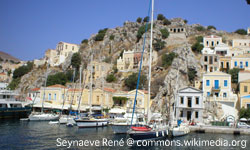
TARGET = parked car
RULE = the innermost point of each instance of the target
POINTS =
(243, 125)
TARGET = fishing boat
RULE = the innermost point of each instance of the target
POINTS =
(10, 107)
(91, 121)
(41, 116)
(156, 131)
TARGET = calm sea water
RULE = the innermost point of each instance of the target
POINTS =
(15, 134)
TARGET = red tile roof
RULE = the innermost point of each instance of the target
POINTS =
(57, 86)
(72, 90)
(109, 90)
(35, 89)
(2, 73)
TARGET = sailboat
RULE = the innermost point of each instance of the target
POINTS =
(68, 119)
(91, 121)
(43, 116)
(156, 130)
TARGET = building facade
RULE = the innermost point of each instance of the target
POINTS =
(189, 104)
(131, 60)
(217, 87)
(211, 41)
(210, 62)
(241, 61)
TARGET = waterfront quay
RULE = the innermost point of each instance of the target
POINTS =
(219, 129)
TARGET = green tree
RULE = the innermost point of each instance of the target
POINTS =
(1, 59)
(200, 28)
(241, 31)
(199, 39)
(166, 22)
(160, 17)
(76, 60)
(101, 34)
(244, 113)
(14, 83)
(131, 81)
(112, 37)
(211, 27)
(9, 72)
(58, 78)
(139, 19)
(141, 31)
(234, 74)
(22, 70)
(85, 41)
(197, 47)
(159, 44)
(192, 73)
(185, 21)
(164, 33)
(146, 19)
(111, 78)
(167, 59)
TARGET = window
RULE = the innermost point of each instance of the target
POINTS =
(235, 63)
(224, 94)
(225, 83)
(196, 114)
(217, 42)
(72, 47)
(205, 58)
(66, 46)
(245, 88)
(197, 101)
(181, 113)
(49, 96)
(248, 106)
(212, 43)
(54, 96)
(215, 59)
(208, 93)
(62, 96)
(182, 100)
(207, 82)
(246, 63)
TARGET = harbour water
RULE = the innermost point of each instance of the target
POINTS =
(20, 135)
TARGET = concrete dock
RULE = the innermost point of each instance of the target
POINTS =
(219, 129)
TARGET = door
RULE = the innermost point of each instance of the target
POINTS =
(241, 64)
(189, 115)
(216, 84)
(189, 101)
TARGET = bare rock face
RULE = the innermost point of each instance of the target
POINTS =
(165, 98)
(34, 79)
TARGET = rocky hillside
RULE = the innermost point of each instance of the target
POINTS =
(6, 56)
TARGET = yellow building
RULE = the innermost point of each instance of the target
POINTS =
(241, 61)
(225, 63)
(245, 94)
(64, 50)
(100, 70)
(142, 100)
(244, 43)
(131, 60)
(3, 77)
(211, 41)
(217, 87)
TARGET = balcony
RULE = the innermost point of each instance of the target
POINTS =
(216, 89)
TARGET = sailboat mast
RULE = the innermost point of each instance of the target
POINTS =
(46, 76)
(150, 59)
(91, 80)
(80, 87)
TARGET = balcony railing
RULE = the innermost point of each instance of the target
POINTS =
(216, 88)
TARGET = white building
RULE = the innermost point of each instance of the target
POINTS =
(211, 41)
(189, 104)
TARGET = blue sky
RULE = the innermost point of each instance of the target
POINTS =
(29, 27)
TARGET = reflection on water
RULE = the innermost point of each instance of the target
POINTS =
(15, 134)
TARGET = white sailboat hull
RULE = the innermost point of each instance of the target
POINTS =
(66, 119)
(91, 123)
(180, 131)
(43, 117)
